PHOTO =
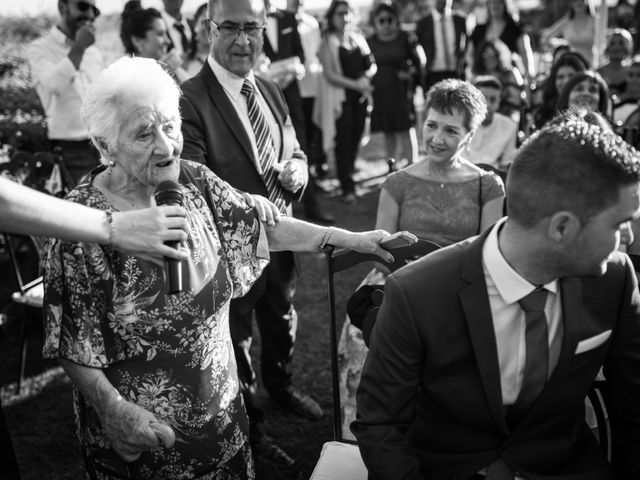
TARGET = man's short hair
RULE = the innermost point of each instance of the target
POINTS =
(572, 165)
(487, 81)
(452, 96)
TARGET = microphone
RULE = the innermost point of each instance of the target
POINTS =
(168, 193)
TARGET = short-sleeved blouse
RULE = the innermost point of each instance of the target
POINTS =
(171, 354)
(443, 213)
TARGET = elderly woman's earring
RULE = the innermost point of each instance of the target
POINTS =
(112, 163)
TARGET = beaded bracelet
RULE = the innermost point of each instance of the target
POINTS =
(111, 230)
(325, 239)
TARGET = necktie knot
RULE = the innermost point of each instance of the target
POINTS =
(247, 88)
(535, 301)
(179, 26)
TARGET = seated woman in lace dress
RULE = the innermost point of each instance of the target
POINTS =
(444, 199)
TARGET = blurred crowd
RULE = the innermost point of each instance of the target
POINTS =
(372, 70)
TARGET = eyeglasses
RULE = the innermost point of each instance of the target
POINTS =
(86, 6)
(385, 20)
(489, 54)
(233, 30)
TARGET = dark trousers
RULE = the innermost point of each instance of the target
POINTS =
(434, 77)
(79, 157)
(349, 128)
(315, 155)
(277, 322)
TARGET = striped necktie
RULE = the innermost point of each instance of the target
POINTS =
(266, 150)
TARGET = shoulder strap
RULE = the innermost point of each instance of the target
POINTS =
(480, 202)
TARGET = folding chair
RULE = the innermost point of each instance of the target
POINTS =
(340, 459)
(635, 260)
(30, 294)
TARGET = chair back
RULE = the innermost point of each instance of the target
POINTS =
(630, 129)
(635, 260)
(339, 261)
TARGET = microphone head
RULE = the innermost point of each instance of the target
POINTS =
(168, 192)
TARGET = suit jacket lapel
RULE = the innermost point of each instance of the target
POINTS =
(477, 311)
(220, 101)
(431, 39)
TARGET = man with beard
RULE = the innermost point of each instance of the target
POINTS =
(63, 63)
(494, 143)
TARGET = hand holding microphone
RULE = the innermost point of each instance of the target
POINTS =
(169, 193)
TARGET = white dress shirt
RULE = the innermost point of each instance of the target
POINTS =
(272, 32)
(505, 287)
(59, 85)
(174, 33)
(310, 37)
(439, 61)
(493, 144)
(232, 85)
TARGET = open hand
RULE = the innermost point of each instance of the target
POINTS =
(143, 232)
(369, 242)
(267, 212)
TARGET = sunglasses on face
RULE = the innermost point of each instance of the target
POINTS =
(385, 20)
(86, 6)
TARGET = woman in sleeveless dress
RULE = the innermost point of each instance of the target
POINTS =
(444, 199)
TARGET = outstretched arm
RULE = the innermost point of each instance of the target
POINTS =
(298, 236)
(29, 212)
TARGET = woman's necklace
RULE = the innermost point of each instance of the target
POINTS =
(439, 173)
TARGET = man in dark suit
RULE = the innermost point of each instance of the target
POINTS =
(220, 108)
(466, 378)
(282, 43)
(443, 36)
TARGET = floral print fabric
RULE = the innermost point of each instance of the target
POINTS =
(171, 354)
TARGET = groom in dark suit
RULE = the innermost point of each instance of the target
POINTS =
(483, 352)
(239, 126)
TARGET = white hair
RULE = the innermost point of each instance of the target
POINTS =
(121, 86)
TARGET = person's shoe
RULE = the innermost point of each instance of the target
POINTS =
(300, 403)
(350, 198)
(320, 217)
(265, 448)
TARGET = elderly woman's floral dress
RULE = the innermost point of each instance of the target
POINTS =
(171, 354)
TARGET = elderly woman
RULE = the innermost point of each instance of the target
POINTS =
(154, 373)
